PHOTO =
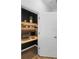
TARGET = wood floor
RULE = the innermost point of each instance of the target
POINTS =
(38, 57)
(32, 54)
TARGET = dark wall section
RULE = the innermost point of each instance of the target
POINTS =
(25, 15)
(26, 45)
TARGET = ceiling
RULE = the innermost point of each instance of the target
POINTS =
(39, 5)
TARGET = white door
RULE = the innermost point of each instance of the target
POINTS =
(47, 33)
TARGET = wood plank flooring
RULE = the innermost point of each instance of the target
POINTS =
(32, 54)
(39, 57)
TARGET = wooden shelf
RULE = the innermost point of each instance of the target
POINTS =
(28, 29)
(28, 40)
(29, 24)
(26, 26)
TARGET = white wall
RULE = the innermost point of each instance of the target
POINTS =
(47, 27)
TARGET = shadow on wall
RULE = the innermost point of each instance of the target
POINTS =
(51, 5)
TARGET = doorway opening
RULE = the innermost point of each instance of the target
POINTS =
(29, 36)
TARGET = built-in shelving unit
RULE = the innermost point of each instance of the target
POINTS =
(28, 27)
(29, 30)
